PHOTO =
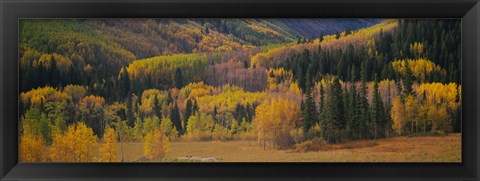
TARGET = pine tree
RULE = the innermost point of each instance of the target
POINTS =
(130, 112)
(302, 79)
(214, 114)
(188, 112)
(178, 78)
(377, 111)
(124, 84)
(364, 110)
(169, 98)
(157, 109)
(195, 107)
(175, 117)
(321, 103)
(309, 112)
(337, 103)
(333, 120)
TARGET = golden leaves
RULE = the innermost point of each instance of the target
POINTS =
(31, 148)
(42, 95)
(274, 119)
(421, 68)
(108, 150)
(77, 144)
(156, 145)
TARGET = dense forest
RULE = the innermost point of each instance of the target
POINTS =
(88, 86)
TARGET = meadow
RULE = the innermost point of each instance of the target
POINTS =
(397, 149)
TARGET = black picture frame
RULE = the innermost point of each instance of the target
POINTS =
(12, 10)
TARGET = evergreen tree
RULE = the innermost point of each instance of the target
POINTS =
(321, 103)
(157, 109)
(130, 112)
(363, 108)
(309, 111)
(188, 113)
(178, 78)
(169, 98)
(175, 117)
(195, 107)
(337, 103)
(333, 122)
(377, 111)
(302, 79)
(214, 114)
(337, 34)
(124, 84)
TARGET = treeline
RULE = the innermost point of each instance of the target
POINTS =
(61, 52)
(424, 102)
(435, 40)
(164, 72)
(438, 40)
(59, 121)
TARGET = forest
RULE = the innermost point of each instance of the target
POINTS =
(139, 90)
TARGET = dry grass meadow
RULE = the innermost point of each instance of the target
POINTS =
(397, 149)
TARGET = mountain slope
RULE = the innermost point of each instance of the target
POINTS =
(312, 28)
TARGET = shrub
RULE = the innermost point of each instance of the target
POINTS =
(311, 145)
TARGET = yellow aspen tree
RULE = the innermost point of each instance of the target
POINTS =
(108, 151)
(274, 119)
(398, 115)
(156, 145)
(31, 148)
(59, 150)
(411, 111)
(86, 143)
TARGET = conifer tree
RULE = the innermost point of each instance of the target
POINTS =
(188, 112)
(175, 117)
(178, 78)
(157, 109)
(377, 111)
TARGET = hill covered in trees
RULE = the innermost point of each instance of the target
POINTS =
(88, 86)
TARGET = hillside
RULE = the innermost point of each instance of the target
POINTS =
(313, 28)
(101, 47)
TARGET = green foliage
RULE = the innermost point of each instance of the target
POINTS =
(200, 127)
(159, 72)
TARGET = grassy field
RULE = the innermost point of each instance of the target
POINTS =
(398, 149)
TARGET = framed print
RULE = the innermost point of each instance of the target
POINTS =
(239, 90)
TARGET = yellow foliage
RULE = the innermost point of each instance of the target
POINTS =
(31, 148)
(274, 119)
(397, 115)
(148, 98)
(439, 119)
(420, 67)
(417, 49)
(159, 70)
(196, 89)
(156, 145)
(228, 99)
(275, 56)
(77, 144)
(92, 101)
(200, 127)
(441, 94)
(108, 151)
(430, 107)
(42, 95)
(221, 133)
